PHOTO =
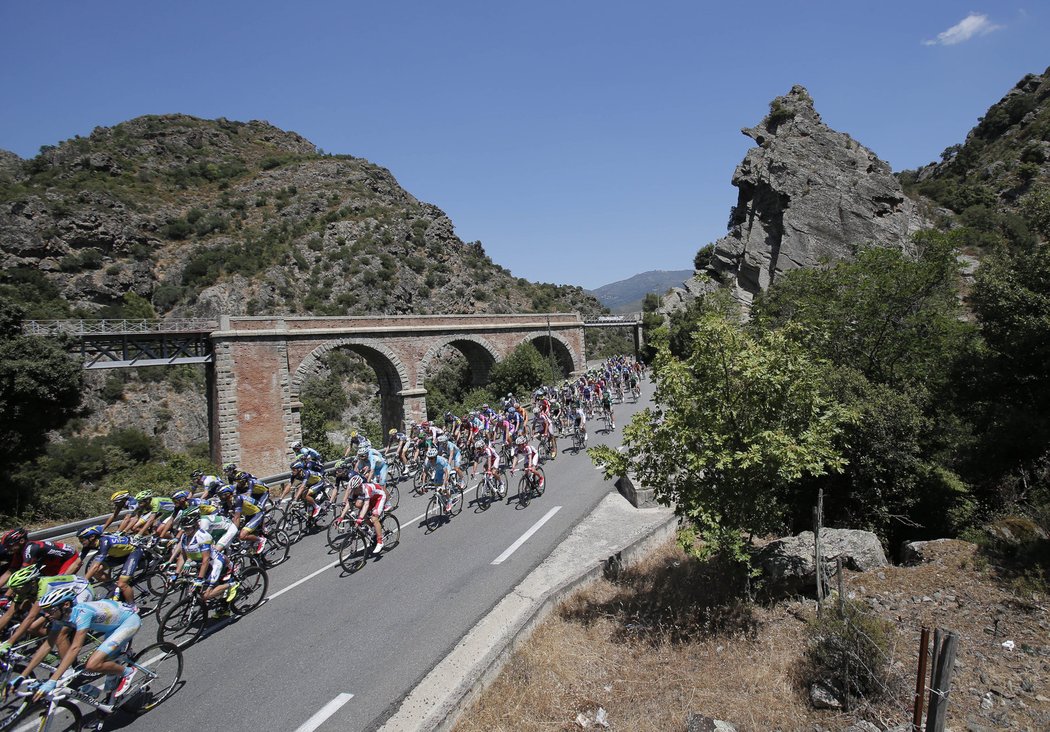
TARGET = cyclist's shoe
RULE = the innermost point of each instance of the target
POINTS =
(317, 510)
(124, 684)
(223, 611)
(232, 592)
(378, 548)
(262, 545)
(541, 481)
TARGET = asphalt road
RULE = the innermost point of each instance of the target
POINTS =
(323, 636)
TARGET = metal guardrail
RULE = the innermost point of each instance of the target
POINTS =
(117, 327)
(70, 530)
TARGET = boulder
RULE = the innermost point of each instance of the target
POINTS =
(920, 552)
(788, 567)
(824, 696)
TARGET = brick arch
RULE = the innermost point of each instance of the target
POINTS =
(389, 369)
(480, 354)
(568, 359)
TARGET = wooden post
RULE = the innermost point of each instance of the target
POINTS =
(942, 682)
(818, 560)
(920, 681)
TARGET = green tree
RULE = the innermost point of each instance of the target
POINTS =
(891, 317)
(521, 371)
(40, 388)
(739, 423)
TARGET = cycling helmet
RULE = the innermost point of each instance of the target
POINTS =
(23, 577)
(120, 496)
(425, 425)
(197, 474)
(229, 467)
(190, 518)
(297, 465)
(180, 496)
(13, 537)
(226, 490)
(143, 496)
(391, 432)
(442, 439)
(58, 596)
(432, 452)
(91, 532)
(536, 410)
(297, 445)
(520, 440)
(362, 452)
(479, 445)
(243, 477)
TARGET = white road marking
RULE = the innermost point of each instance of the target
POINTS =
(322, 714)
(525, 537)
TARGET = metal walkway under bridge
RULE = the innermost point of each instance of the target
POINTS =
(114, 344)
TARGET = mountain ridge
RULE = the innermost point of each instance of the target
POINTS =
(623, 295)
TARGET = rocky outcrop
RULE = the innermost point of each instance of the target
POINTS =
(787, 564)
(807, 194)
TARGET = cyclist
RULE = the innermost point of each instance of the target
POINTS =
(26, 586)
(118, 621)
(488, 458)
(51, 557)
(306, 454)
(371, 465)
(607, 409)
(237, 507)
(121, 501)
(531, 455)
(113, 550)
(159, 509)
(209, 484)
(181, 500)
(311, 482)
(397, 446)
(579, 418)
(371, 501)
(248, 485)
(543, 429)
(198, 544)
(451, 452)
(440, 469)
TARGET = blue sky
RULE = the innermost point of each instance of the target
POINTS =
(580, 141)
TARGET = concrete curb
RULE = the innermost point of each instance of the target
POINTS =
(455, 683)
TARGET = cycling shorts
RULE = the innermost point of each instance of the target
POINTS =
(127, 564)
(216, 568)
(254, 522)
(119, 638)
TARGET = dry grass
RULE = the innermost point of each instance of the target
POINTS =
(665, 640)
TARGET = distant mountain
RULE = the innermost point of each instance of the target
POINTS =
(626, 295)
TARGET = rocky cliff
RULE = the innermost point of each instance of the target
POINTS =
(806, 193)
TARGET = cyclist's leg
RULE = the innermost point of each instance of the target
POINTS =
(101, 661)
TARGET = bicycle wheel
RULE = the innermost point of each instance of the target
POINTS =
(354, 553)
(339, 532)
(157, 582)
(435, 512)
(455, 500)
(176, 592)
(184, 622)
(394, 472)
(277, 549)
(419, 480)
(485, 494)
(60, 716)
(159, 673)
(539, 486)
(252, 590)
(391, 531)
(141, 593)
(524, 491)
(294, 524)
(393, 496)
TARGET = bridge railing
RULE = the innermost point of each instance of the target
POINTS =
(117, 327)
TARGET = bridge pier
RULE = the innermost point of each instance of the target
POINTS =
(414, 408)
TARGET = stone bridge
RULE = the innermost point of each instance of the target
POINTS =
(260, 364)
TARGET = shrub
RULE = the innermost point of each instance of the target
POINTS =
(113, 388)
(849, 651)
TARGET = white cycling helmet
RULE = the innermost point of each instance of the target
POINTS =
(58, 596)
(479, 445)
(520, 440)
(432, 452)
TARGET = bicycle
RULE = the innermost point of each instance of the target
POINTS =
(361, 541)
(446, 502)
(578, 442)
(158, 673)
(529, 486)
(186, 620)
(547, 448)
(492, 488)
